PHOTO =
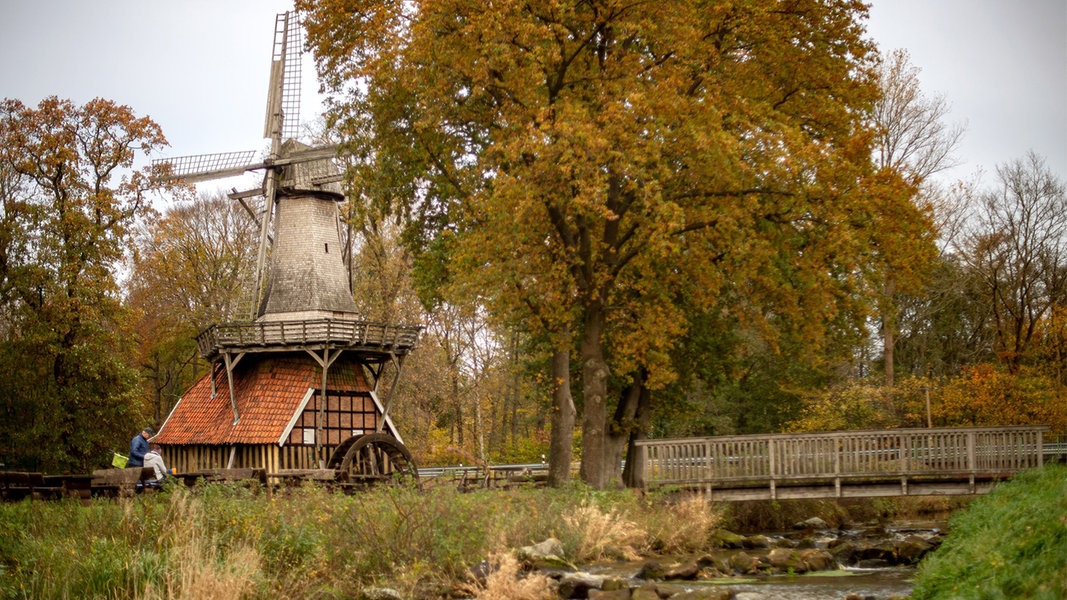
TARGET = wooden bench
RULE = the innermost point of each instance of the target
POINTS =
(210, 475)
(296, 476)
(16, 485)
(122, 482)
(71, 486)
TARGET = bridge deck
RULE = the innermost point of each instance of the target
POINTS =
(895, 462)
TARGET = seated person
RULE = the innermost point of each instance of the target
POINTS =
(154, 459)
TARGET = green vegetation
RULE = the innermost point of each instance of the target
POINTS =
(1009, 544)
(229, 542)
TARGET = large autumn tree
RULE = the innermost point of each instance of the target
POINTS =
(600, 168)
(71, 195)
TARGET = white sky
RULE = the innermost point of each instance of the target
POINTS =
(199, 68)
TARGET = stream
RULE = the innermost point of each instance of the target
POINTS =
(880, 584)
(845, 581)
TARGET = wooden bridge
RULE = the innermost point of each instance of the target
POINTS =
(894, 462)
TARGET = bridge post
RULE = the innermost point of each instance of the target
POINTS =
(839, 447)
(972, 463)
(772, 447)
(708, 468)
(1040, 448)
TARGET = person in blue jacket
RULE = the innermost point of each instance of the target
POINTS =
(138, 447)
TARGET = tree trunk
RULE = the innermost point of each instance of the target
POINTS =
(889, 324)
(623, 426)
(634, 473)
(457, 404)
(594, 390)
(562, 435)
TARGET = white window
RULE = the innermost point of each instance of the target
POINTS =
(309, 436)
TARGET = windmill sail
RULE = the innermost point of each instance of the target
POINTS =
(283, 97)
(205, 167)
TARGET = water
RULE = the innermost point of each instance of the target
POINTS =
(826, 585)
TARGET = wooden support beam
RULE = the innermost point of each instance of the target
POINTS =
(324, 363)
(230, 364)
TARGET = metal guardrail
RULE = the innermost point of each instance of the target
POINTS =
(282, 335)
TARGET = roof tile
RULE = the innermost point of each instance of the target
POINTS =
(268, 390)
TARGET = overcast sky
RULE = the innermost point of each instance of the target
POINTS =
(199, 68)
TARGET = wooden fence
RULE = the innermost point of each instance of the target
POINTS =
(846, 463)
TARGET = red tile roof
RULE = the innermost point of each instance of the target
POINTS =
(269, 390)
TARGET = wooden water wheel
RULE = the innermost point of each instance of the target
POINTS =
(374, 458)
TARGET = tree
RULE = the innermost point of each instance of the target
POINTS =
(191, 268)
(1016, 247)
(71, 197)
(913, 141)
(585, 164)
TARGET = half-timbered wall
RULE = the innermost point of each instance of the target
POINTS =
(345, 414)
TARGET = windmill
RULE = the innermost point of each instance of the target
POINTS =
(302, 306)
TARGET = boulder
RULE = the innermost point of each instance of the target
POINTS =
(713, 566)
(686, 571)
(544, 555)
(780, 558)
(814, 523)
(668, 590)
(756, 541)
(816, 559)
(623, 594)
(744, 564)
(880, 550)
(652, 571)
(844, 552)
(578, 585)
(912, 549)
(728, 539)
(645, 592)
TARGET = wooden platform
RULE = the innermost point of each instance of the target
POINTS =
(284, 336)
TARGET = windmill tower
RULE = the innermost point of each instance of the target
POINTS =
(302, 374)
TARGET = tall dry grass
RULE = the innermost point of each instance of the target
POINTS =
(506, 581)
(604, 533)
(199, 566)
(684, 525)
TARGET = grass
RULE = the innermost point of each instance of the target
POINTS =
(1011, 543)
(236, 542)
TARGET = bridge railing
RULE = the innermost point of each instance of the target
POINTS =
(969, 451)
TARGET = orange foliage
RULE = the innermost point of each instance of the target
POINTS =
(986, 395)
